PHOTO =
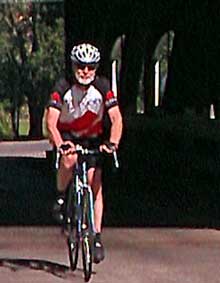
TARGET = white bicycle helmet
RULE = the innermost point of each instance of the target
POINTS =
(85, 53)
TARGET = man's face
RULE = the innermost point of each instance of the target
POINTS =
(85, 73)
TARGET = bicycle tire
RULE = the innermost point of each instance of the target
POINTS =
(87, 257)
(73, 249)
(72, 238)
(87, 251)
(73, 244)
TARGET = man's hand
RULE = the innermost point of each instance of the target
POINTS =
(67, 147)
(108, 147)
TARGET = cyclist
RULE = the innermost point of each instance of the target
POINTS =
(75, 115)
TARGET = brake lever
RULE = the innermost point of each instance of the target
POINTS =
(115, 159)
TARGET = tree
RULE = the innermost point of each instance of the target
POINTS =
(31, 57)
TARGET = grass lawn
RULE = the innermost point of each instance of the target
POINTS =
(23, 127)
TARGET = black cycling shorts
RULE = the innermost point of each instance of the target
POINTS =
(93, 161)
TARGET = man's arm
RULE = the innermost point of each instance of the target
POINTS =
(116, 125)
(52, 116)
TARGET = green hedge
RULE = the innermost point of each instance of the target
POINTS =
(170, 173)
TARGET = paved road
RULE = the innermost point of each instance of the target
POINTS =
(39, 255)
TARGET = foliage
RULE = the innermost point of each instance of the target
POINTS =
(31, 54)
(5, 121)
(47, 62)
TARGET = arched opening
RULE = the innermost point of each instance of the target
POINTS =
(116, 59)
(158, 75)
(161, 58)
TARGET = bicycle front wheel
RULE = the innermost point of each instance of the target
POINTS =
(87, 257)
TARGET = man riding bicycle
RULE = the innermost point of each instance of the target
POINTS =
(75, 115)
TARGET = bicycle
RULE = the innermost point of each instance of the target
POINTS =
(79, 218)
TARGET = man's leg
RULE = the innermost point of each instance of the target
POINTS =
(65, 172)
(95, 180)
(64, 176)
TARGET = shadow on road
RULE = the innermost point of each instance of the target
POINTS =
(27, 189)
(56, 269)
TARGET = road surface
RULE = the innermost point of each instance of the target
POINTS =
(39, 255)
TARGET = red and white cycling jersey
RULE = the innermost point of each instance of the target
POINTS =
(82, 112)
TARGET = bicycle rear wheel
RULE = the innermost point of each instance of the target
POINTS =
(71, 227)
(87, 257)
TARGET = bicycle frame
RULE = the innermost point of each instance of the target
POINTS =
(83, 190)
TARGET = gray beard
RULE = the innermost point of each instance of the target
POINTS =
(84, 81)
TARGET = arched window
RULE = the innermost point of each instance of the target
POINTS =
(116, 58)
(161, 59)
(160, 62)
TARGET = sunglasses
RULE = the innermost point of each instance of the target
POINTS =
(89, 66)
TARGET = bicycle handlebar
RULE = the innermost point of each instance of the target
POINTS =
(84, 151)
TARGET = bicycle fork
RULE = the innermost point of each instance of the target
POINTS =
(84, 208)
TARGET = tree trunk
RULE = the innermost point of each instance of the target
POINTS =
(36, 117)
(15, 121)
